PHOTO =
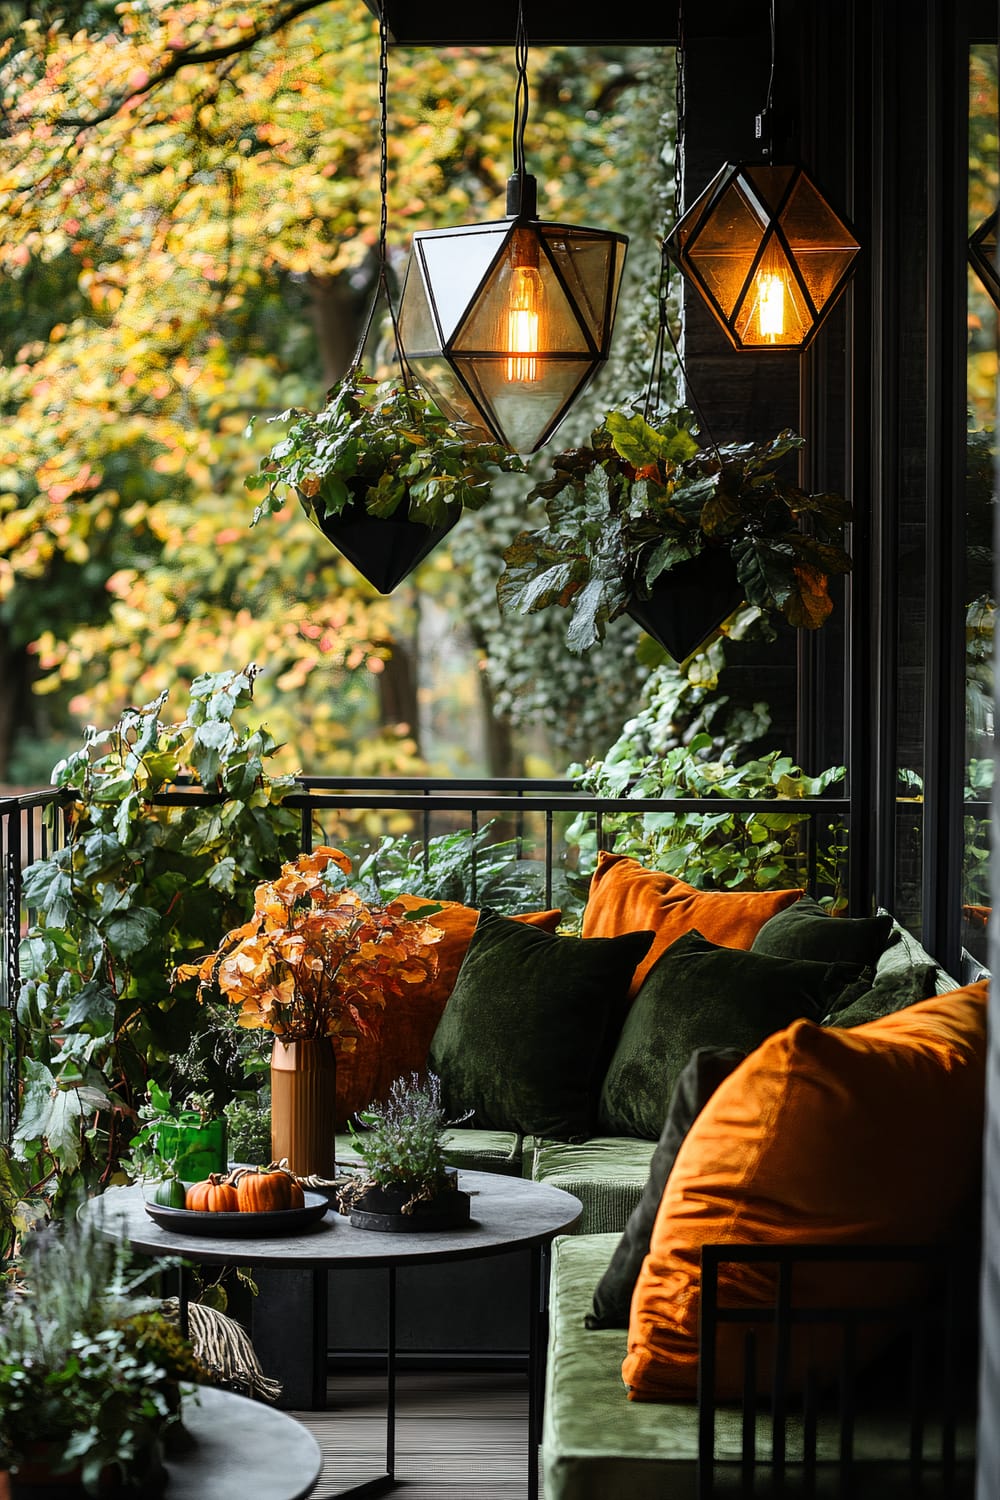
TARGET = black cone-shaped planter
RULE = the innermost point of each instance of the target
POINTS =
(385, 550)
(689, 602)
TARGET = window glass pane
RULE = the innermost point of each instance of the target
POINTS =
(980, 499)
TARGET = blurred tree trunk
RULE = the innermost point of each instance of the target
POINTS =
(15, 701)
(338, 307)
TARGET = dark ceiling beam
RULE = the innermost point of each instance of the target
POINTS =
(466, 23)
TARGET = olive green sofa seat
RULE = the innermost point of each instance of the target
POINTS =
(599, 1445)
(606, 1173)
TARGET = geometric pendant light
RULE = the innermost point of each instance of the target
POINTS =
(506, 322)
(762, 245)
(767, 253)
(983, 255)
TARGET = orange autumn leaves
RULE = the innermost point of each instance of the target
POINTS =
(315, 960)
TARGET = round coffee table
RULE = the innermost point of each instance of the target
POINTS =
(221, 1429)
(224, 1429)
(509, 1214)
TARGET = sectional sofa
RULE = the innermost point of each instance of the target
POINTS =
(728, 1069)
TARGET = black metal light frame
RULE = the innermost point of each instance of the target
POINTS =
(684, 238)
(983, 255)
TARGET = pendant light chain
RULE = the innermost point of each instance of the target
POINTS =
(382, 281)
(764, 123)
(521, 101)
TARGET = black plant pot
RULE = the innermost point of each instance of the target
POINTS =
(385, 550)
(689, 602)
(382, 1208)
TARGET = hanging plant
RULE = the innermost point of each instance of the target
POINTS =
(379, 450)
(644, 505)
(380, 470)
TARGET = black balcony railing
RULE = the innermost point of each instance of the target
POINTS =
(536, 814)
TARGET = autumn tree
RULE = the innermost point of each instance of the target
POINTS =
(188, 211)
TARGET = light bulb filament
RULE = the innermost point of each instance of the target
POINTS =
(771, 305)
(524, 305)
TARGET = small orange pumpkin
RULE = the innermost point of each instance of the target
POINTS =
(212, 1196)
(296, 1193)
(262, 1190)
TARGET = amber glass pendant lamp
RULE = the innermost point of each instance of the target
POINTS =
(764, 247)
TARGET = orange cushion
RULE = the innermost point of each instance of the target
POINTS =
(399, 1044)
(626, 897)
(820, 1136)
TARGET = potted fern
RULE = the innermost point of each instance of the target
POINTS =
(381, 471)
(648, 522)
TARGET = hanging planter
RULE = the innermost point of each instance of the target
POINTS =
(380, 469)
(644, 515)
(381, 472)
(686, 605)
(383, 551)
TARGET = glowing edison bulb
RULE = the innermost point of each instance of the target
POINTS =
(524, 317)
(771, 305)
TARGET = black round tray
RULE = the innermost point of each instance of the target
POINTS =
(228, 1225)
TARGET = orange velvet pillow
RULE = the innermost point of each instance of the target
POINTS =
(820, 1136)
(626, 897)
(403, 1032)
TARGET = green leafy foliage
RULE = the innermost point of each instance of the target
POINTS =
(644, 497)
(386, 444)
(690, 739)
(442, 870)
(136, 890)
(85, 1366)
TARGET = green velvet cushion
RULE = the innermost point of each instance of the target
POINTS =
(806, 930)
(699, 1079)
(904, 975)
(701, 995)
(887, 995)
(524, 1036)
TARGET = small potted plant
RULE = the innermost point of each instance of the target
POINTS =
(177, 1145)
(381, 471)
(645, 521)
(90, 1375)
(407, 1183)
(315, 964)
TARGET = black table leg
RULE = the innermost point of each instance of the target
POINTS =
(289, 1317)
(390, 1376)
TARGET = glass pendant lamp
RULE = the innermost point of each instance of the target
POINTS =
(506, 322)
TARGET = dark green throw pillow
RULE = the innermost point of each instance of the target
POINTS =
(889, 993)
(701, 995)
(699, 1079)
(526, 1032)
(806, 930)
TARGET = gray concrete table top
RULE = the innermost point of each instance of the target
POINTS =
(241, 1448)
(508, 1213)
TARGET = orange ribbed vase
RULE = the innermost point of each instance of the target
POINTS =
(304, 1105)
